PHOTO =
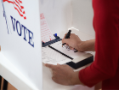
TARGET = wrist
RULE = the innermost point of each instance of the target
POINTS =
(81, 46)
(88, 45)
(75, 78)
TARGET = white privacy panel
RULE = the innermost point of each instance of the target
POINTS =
(20, 37)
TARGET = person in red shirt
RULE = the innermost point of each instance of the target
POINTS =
(105, 67)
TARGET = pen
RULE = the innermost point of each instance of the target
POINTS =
(67, 36)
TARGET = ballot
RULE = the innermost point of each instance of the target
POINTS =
(55, 54)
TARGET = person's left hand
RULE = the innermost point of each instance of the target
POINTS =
(63, 74)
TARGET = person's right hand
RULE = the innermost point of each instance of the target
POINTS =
(73, 42)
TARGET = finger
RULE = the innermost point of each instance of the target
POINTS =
(56, 80)
(65, 45)
(65, 41)
(58, 64)
(50, 66)
(71, 48)
(68, 48)
(44, 63)
(75, 50)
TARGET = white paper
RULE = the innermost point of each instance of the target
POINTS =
(71, 53)
(53, 57)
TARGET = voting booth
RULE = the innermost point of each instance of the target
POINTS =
(25, 25)
(20, 43)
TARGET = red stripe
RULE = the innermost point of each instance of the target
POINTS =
(22, 7)
(16, 1)
(24, 17)
(18, 7)
(20, 1)
(23, 12)
(8, 1)
(18, 12)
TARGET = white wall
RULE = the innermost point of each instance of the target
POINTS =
(58, 14)
(63, 14)
(83, 16)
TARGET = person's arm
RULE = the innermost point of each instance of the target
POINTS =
(88, 45)
(75, 42)
(105, 65)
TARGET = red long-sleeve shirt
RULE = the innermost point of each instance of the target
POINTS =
(105, 67)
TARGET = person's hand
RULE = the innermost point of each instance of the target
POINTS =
(63, 74)
(72, 42)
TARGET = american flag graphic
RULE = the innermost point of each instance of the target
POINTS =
(17, 6)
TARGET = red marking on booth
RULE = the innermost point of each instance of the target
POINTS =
(17, 6)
